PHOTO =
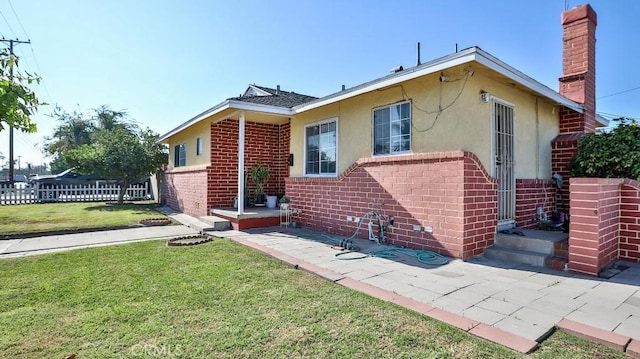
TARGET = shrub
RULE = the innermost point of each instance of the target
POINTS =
(609, 154)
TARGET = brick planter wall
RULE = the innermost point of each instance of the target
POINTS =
(595, 224)
(630, 221)
(531, 194)
(186, 190)
(450, 192)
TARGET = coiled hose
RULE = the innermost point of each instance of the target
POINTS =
(428, 258)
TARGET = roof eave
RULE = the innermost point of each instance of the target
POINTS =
(258, 107)
(229, 104)
(502, 68)
(430, 67)
(602, 120)
(473, 54)
(210, 112)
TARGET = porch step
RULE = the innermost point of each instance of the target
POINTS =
(533, 247)
(543, 242)
(215, 223)
(516, 255)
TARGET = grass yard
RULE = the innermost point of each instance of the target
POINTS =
(216, 300)
(51, 217)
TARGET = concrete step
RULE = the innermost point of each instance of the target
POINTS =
(216, 223)
(189, 221)
(515, 255)
(542, 242)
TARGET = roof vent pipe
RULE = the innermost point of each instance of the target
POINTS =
(418, 54)
(278, 90)
(343, 87)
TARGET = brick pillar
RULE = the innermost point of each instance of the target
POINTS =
(595, 224)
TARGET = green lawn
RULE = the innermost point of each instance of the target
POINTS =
(216, 300)
(50, 217)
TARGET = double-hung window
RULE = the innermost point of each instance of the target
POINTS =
(321, 148)
(180, 155)
(392, 129)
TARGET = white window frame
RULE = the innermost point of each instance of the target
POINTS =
(373, 138)
(304, 150)
(176, 155)
(198, 146)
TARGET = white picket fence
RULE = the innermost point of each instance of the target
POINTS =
(99, 191)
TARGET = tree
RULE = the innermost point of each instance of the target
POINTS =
(17, 101)
(125, 154)
(610, 154)
(75, 129)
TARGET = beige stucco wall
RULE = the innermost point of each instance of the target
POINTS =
(188, 136)
(463, 124)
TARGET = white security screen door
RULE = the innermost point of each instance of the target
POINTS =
(503, 149)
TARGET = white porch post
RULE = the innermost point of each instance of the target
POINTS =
(241, 193)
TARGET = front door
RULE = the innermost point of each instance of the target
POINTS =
(503, 149)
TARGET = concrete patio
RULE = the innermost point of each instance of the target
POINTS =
(516, 306)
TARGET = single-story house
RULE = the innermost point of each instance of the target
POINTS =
(453, 149)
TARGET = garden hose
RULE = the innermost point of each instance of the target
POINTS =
(428, 258)
(352, 252)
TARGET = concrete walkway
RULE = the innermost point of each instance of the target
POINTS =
(515, 306)
(55, 243)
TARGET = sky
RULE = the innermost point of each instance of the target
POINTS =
(166, 61)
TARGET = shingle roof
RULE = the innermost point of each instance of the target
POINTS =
(278, 98)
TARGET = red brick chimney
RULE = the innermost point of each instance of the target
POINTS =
(578, 81)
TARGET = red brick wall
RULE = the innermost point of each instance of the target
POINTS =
(186, 190)
(595, 224)
(449, 192)
(630, 221)
(531, 194)
(480, 207)
(563, 148)
(267, 144)
(571, 121)
(195, 190)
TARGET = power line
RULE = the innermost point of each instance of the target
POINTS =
(17, 18)
(44, 83)
(35, 59)
(613, 115)
(27, 140)
(619, 93)
(9, 25)
(23, 57)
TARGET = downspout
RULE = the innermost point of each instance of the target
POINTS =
(241, 136)
(537, 141)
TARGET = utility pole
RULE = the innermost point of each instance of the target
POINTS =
(11, 42)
